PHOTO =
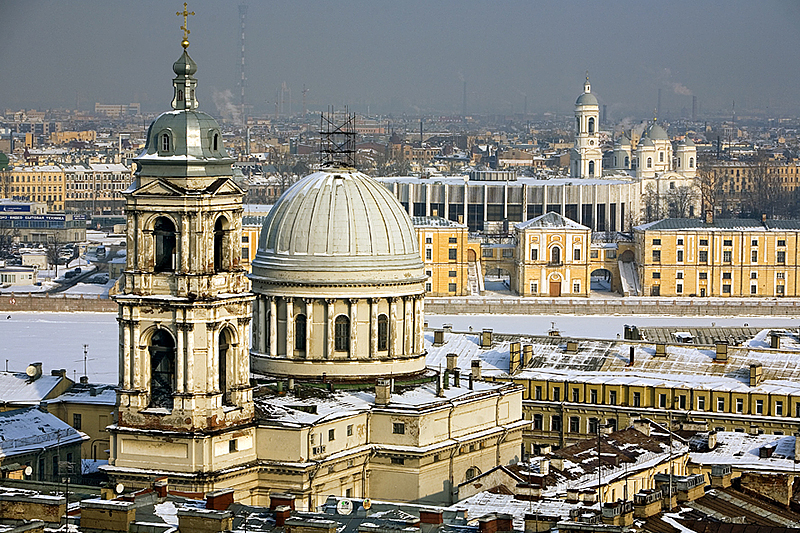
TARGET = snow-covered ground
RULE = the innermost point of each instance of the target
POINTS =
(57, 339)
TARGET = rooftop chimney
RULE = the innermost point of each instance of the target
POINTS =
(452, 361)
(476, 369)
(721, 353)
(383, 392)
(755, 374)
(709, 216)
(34, 371)
(282, 512)
(219, 500)
(486, 338)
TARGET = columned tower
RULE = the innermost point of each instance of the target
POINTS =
(586, 157)
(185, 402)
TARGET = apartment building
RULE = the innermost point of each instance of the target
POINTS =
(35, 184)
(722, 257)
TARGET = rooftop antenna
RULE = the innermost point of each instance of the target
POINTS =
(85, 359)
(337, 138)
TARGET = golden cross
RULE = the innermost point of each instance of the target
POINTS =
(185, 27)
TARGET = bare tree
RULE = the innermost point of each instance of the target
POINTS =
(710, 182)
(52, 250)
(653, 206)
(764, 194)
(680, 201)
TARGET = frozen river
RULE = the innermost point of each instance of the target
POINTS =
(57, 339)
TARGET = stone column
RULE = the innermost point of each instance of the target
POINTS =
(184, 262)
(190, 358)
(329, 312)
(309, 325)
(212, 377)
(417, 342)
(126, 353)
(242, 357)
(148, 261)
(353, 353)
(373, 327)
(136, 366)
(273, 327)
(392, 326)
(290, 328)
(408, 332)
(180, 357)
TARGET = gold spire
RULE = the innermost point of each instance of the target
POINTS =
(185, 27)
(587, 76)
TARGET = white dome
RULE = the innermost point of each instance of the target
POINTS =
(338, 226)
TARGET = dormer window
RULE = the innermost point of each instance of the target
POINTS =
(165, 142)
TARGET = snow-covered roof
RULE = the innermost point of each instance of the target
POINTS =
(551, 219)
(101, 394)
(742, 450)
(18, 388)
(606, 362)
(24, 430)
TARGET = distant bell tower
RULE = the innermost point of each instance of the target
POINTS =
(185, 401)
(586, 157)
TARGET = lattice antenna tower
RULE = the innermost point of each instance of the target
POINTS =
(243, 81)
(337, 138)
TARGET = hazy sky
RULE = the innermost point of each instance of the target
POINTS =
(408, 56)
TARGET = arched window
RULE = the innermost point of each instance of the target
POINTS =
(627, 162)
(660, 157)
(591, 168)
(383, 332)
(225, 363)
(162, 369)
(220, 230)
(164, 235)
(679, 162)
(180, 95)
(579, 123)
(216, 142)
(555, 255)
(473, 472)
(691, 162)
(591, 125)
(615, 161)
(300, 333)
(165, 142)
(342, 334)
(649, 162)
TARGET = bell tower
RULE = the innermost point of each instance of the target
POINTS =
(184, 301)
(586, 157)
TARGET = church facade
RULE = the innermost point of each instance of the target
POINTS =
(333, 397)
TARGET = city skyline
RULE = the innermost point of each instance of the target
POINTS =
(410, 57)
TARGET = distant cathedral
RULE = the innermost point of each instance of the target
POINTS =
(653, 155)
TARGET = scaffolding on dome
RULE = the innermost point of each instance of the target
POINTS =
(337, 138)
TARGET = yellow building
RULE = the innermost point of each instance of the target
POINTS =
(445, 251)
(552, 257)
(35, 184)
(723, 257)
(88, 408)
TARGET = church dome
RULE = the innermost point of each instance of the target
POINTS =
(338, 226)
(586, 99)
(657, 133)
(623, 141)
(646, 142)
(686, 142)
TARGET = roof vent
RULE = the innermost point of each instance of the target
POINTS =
(34, 371)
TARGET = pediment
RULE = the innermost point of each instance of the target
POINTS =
(158, 187)
(224, 186)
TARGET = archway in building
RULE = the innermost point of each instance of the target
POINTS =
(627, 256)
(472, 257)
(601, 280)
(162, 369)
